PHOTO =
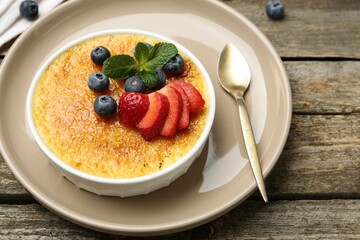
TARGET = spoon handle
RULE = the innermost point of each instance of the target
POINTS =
(251, 146)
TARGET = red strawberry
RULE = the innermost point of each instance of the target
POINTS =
(195, 98)
(172, 119)
(184, 120)
(154, 119)
(132, 108)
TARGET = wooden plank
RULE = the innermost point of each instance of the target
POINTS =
(337, 219)
(319, 158)
(251, 220)
(325, 87)
(32, 221)
(8, 184)
(310, 28)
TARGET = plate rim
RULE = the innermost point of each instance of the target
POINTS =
(174, 226)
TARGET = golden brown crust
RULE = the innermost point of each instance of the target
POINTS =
(64, 116)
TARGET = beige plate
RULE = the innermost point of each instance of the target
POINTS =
(219, 180)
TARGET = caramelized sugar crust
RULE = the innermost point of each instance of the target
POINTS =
(64, 116)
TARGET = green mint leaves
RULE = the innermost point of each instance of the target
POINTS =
(120, 67)
(142, 53)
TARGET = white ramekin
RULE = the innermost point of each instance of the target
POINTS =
(128, 186)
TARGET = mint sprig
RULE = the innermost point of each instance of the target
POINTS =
(142, 53)
(120, 67)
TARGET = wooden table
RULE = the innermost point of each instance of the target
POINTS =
(314, 189)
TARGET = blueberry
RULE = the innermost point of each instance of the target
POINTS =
(161, 79)
(275, 9)
(174, 66)
(98, 82)
(135, 84)
(105, 106)
(99, 55)
(29, 9)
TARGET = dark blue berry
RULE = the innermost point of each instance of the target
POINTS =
(29, 9)
(174, 66)
(99, 55)
(275, 9)
(98, 82)
(161, 79)
(135, 84)
(105, 106)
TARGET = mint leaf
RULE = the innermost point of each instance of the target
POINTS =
(142, 53)
(149, 78)
(160, 54)
(119, 67)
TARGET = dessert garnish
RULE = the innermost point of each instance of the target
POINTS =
(98, 82)
(153, 121)
(132, 108)
(105, 106)
(99, 55)
(161, 79)
(147, 60)
(148, 104)
(162, 112)
(175, 108)
(135, 84)
(175, 65)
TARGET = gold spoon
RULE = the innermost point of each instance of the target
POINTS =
(234, 77)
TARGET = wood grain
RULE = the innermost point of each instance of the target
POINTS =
(330, 87)
(310, 28)
(321, 158)
(309, 219)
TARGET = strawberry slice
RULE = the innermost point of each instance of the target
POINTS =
(184, 120)
(153, 121)
(172, 119)
(195, 98)
(132, 108)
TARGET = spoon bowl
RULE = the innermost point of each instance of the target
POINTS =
(234, 80)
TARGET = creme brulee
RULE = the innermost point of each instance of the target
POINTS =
(63, 113)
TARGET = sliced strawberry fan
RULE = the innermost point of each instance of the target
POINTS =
(162, 112)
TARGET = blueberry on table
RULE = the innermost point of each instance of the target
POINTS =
(98, 82)
(99, 55)
(105, 106)
(161, 79)
(275, 9)
(29, 9)
(174, 66)
(135, 84)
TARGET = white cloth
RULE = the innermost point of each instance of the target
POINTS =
(12, 24)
